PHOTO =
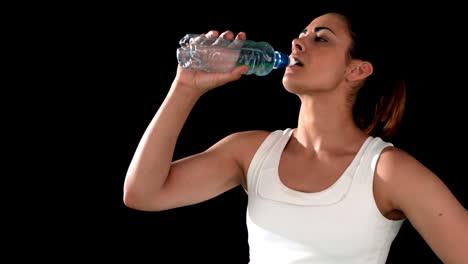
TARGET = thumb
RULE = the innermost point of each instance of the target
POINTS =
(238, 71)
(235, 74)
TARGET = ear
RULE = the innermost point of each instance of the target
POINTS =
(359, 70)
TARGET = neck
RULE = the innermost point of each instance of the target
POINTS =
(326, 124)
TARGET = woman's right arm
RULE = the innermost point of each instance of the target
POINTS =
(153, 182)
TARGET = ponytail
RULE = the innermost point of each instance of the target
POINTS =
(380, 114)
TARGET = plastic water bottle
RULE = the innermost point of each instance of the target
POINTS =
(215, 54)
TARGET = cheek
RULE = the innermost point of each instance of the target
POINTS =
(331, 68)
(324, 72)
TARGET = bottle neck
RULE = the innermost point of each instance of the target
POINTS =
(281, 60)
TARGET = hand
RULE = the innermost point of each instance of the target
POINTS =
(202, 81)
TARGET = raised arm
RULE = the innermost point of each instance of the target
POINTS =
(152, 173)
(431, 208)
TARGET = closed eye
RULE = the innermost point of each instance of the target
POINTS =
(319, 39)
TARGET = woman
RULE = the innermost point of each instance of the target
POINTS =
(332, 190)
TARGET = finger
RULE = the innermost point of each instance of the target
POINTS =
(227, 34)
(224, 39)
(210, 37)
(195, 40)
(241, 36)
(237, 72)
(238, 41)
(223, 78)
(240, 70)
(212, 33)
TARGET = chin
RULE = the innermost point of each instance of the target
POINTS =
(292, 85)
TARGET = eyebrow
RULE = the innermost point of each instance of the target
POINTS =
(316, 29)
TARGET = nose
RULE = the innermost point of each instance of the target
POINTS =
(297, 45)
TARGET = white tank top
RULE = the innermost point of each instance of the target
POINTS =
(340, 224)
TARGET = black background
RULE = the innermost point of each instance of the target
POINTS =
(110, 68)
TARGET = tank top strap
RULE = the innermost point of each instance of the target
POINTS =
(260, 161)
(366, 170)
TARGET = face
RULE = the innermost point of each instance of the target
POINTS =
(322, 52)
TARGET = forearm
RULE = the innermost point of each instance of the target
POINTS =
(152, 159)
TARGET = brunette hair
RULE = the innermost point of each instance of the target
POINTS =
(379, 104)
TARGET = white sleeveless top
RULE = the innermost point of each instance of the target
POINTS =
(340, 224)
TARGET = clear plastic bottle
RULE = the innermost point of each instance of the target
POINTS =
(198, 52)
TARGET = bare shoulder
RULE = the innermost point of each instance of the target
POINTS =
(394, 162)
(393, 166)
(239, 142)
(240, 146)
(405, 177)
(243, 146)
(392, 156)
(249, 137)
(246, 143)
(396, 165)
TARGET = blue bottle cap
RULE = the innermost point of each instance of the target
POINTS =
(281, 60)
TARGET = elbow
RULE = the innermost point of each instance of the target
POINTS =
(141, 197)
(134, 201)
(130, 201)
(129, 196)
(134, 197)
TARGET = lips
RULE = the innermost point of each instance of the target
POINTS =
(298, 62)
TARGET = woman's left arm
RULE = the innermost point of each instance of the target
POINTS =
(429, 205)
